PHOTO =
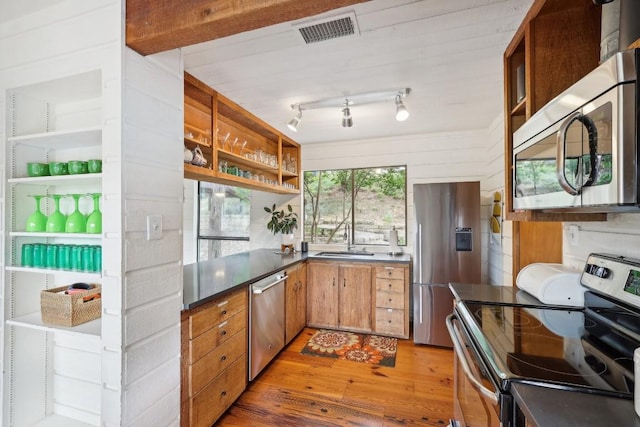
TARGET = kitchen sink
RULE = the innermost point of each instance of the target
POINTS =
(341, 254)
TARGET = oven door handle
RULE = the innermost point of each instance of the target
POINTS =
(458, 347)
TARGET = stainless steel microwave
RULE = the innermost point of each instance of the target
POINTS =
(580, 151)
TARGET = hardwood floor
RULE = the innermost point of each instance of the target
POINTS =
(302, 390)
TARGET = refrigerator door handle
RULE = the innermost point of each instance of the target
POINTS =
(420, 306)
(419, 257)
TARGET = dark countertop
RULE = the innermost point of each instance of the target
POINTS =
(484, 293)
(545, 407)
(205, 280)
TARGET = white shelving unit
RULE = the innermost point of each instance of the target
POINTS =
(52, 373)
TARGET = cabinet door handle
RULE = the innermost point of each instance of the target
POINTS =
(334, 281)
(344, 283)
(389, 299)
(389, 285)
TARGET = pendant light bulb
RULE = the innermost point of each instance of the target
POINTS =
(293, 123)
(402, 113)
(347, 120)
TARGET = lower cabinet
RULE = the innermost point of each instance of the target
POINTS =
(359, 296)
(296, 301)
(339, 296)
(214, 362)
(392, 300)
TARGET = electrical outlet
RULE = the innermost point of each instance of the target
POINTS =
(572, 234)
(154, 227)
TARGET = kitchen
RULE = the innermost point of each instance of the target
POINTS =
(146, 310)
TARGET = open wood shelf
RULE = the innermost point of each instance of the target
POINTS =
(236, 132)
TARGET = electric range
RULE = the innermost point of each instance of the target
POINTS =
(587, 349)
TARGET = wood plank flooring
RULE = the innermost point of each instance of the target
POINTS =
(303, 390)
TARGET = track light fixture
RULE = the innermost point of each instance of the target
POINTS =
(402, 113)
(293, 123)
(360, 99)
(347, 120)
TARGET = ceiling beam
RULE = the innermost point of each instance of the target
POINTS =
(154, 26)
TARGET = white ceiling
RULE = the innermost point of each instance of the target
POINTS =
(449, 52)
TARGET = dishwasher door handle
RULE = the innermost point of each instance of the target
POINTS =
(268, 286)
(457, 345)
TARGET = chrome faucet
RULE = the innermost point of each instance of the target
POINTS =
(347, 235)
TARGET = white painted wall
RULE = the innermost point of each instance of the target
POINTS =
(138, 366)
(444, 157)
(499, 247)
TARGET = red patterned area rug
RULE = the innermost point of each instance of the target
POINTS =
(371, 349)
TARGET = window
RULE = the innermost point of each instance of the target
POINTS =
(223, 220)
(356, 205)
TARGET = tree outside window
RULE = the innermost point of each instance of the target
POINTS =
(369, 202)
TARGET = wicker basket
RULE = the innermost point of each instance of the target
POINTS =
(61, 309)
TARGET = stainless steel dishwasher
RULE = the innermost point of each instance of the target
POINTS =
(266, 321)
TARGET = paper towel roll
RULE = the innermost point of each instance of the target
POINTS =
(393, 238)
(552, 284)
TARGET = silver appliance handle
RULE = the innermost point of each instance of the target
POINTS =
(560, 153)
(270, 285)
(420, 304)
(457, 345)
(419, 254)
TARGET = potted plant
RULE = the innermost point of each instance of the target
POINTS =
(284, 223)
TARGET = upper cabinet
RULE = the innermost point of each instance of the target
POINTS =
(231, 146)
(557, 44)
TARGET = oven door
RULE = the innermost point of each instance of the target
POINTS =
(477, 399)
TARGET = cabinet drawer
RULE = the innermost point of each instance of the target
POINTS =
(386, 299)
(390, 321)
(214, 399)
(216, 312)
(390, 285)
(390, 272)
(216, 361)
(215, 336)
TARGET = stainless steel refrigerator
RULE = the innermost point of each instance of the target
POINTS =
(446, 250)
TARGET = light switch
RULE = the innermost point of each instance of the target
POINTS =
(154, 227)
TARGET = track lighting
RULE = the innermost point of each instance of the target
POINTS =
(402, 113)
(347, 121)
(293, 123)
(360, 99)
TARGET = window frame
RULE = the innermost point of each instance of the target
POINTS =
(352, 201)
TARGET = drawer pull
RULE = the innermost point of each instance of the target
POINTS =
(224, 393)
(223, 358)
(224, 312)
(389, 321)
(223, 333)
(223, 324)
(389, 299)
(390, 285)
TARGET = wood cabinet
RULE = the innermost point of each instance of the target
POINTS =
(557, 43)
(240, 149)
(214, 358)
(359, 296)
(339, 296)
(296, 301)
(392, 300)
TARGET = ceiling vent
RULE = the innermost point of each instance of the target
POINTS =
(328, 29)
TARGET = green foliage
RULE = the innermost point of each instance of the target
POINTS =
(280, 221)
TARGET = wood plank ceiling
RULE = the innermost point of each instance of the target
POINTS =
(448, 52)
